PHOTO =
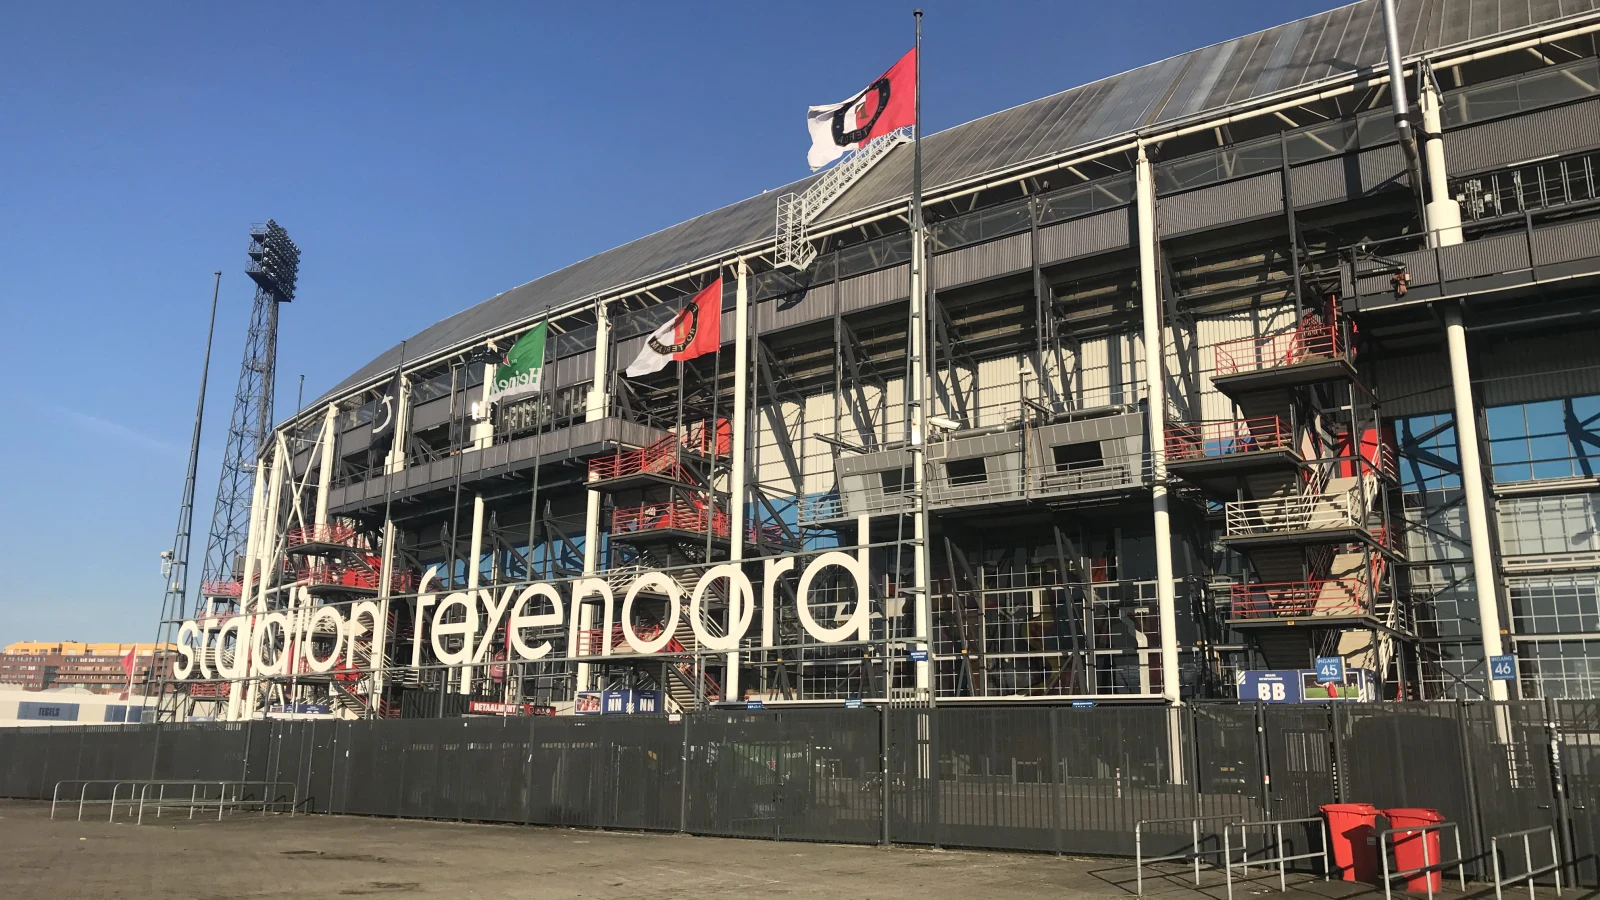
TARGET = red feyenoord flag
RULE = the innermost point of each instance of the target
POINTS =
(888, 103)
(127, 666)
(695, 331)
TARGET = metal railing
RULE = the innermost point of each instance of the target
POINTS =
(1300, 599)
(1282, 859)
(1202, 440)
(1299, 512)
(1310, 340)
(1501, 880)
(660, 458)
(1420, 833)
(677, 515)
(354, 577)
(330, 533)
(1194, 853)
(196, 800)
(1112, 474)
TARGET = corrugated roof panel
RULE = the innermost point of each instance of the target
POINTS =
(1196, 82)
(1254, 66)
(1288, 56)
(1340, 41)
(1228, 81)
(1278, 62)
(1056, 129)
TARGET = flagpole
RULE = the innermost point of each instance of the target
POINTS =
(377, 682)
(916, 137)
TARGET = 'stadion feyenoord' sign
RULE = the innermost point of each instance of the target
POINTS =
(461, 624)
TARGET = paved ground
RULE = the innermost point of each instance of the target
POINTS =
(337, 856)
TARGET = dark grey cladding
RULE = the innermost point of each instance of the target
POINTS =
(1213, 78)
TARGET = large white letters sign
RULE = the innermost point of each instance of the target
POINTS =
(460, 626)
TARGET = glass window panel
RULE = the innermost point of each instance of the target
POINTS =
(1505, 421)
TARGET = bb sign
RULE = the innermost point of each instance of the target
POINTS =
(461, 624)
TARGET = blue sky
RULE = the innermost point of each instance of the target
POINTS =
(424, 157)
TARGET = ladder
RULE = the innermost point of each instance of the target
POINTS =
(796, 212)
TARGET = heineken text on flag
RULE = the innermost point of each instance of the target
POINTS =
(889, 103)
(519, 374)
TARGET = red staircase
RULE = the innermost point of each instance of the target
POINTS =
(680, 515)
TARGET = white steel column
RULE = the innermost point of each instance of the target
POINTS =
(741, 450)
(1156, 397)
(482, 426)
(396, 460)
(598, 401)
(1473, 489)
(379, 658)
(917, 387)
(251, 567)
(1444, 213)
(474, 566)
(325, 473)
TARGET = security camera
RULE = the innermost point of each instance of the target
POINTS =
(944, 424)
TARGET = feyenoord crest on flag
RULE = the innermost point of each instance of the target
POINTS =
(889, 103)
(695, 331)
(519, 374)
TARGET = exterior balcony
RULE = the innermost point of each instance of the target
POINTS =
(668, 521)
(1074, 482)
(665, 462)
(1335, 515)
(1324, 601)
(351, 579)
(331, 539)
(1221, 457)
(1314, 351)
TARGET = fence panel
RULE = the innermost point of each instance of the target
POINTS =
(372, 765)
(492, 770)
(644, 784)
(418, 746)
(1507, 751)
(1299, 745)
(997, 778)
(1579, 746)
(829, 785)
(1412, 755)
(1227, 756)
(913, 776)
(1118, 768)
(732, 773)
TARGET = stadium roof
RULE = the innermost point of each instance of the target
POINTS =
(1296, 55)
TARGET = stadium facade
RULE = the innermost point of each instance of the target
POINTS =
(947, 468)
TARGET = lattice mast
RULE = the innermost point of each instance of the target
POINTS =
(274, 266)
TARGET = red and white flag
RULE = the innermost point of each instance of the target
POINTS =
(128, 663)
(888, 103)
(695, 331)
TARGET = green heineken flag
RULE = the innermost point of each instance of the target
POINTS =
(519, 374)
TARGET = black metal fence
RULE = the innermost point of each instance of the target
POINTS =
(1013, 777)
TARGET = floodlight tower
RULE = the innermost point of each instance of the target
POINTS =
(274, 266)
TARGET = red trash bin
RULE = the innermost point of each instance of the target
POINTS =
(1353, 840)
(1408, 848)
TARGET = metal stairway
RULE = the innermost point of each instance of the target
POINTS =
(796, 212)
